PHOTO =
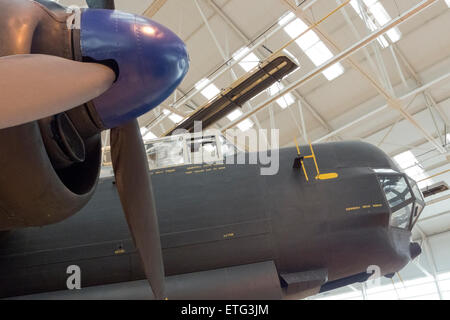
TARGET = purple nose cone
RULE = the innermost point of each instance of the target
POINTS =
(151, 60)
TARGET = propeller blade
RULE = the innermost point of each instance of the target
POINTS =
(34, 86)
(135, 191)
(101, 4)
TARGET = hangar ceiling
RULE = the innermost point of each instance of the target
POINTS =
(409, 67)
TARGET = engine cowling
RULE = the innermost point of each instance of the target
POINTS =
(36, 188)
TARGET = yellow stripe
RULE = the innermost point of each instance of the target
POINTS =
(314, 157)
(352, 208)
(296, 144)
(327, 176)
(304, 171)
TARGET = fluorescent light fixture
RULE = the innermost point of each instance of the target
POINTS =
(244, 125)
(381, 16)
(233, 115)
(448, 3)
(149, 136)
(143, 130)
(166, 112)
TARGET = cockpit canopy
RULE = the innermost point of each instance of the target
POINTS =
(403, 196)
(180, 150)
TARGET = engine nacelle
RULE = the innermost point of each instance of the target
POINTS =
(36, 186)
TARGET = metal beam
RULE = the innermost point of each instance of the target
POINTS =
(343, 55)
(379, 109)
(392, 101)
(430, 258)
(154, 8)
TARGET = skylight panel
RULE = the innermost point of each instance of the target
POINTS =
(295, 28)
(313, 47)
(308, 40)
(241, 53)
(334, 71)
(209, 91)
(233, 115)
(275, 88)
(245, 125)
(319, 53)
(411, 166)
(175, 118)
(249, 61)
(406, 159)
(381, 16)
(284, 20)
(149, 136)
(172, 116)
(202, 83)
(285, 100)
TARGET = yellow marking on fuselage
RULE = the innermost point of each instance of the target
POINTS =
(228, 235)
(377, 205)
(119, 251)
(199, 171)
(352, 208)
(366, 206)
(170, 171)
(188, 172)
(327, 176)
(192, 168)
